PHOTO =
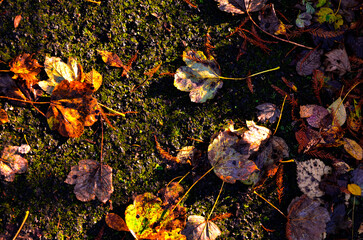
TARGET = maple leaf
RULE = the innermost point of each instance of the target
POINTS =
(198, 228)
(151, 217)
(241, 6)
(12, 162)
(306, 219)
(230, 151)
(91, 179)
(200, 77)
(72, 107)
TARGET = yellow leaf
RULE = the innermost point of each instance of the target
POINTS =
(111, 59)
(3, 116)
(94, 78)
(281, 30)
(354, 189)
(353, 148)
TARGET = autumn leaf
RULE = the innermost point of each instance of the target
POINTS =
(198, 228)
(230, 151)
(303, 20)
(3, 116)
(200, 77)
(58, 71)
(357, 177)
(91, 179)
(354, 189)
(314, 114)
(267, 112)
(306, 219)
(93, 78)
(151, 217)
(309, 62)
(26, 68)
(113, 60)
(241, 6)
(338, 112)
(116, 222)
(337, 61)
(72, 107)
(269, 21)
(17, 21)
(12, 162)
(353, 148)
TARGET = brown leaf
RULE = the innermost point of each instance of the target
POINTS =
(311, 61)
(93, 78)
(128, 66)
(116, 222)
(337, 61)
(306, 219)
(111, 59)
(314, 114)
(268, 19)
(3, 116)
(268, 112)
(241, 6)
(17, 21)
(92, 179)
(71, 108)
(12, 162)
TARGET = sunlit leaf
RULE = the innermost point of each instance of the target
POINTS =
(26, 68)
(12, 162)
(94, 78)
(17, 20)
(91, 180)
(241, 6)
(200, 77)
(3, 116)
(337, 109)
(353, 148)
(354, 189)
(198, 228)
(306, 219)
(111, 59)
(151, 217)
(116, 222)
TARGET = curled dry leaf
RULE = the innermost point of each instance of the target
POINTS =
(268, 112)
(26, 68)
(200, 77)
(151, 217)
(241, 6)
(306, 219)
(230, 151)
(116, 222)
(314, 114)
(113, 60)
(91, 179)
(187, 154)
(198, 228)
(353, 148)
(12, 162)
(72, 107)
(3, 116)
(311, 61)
(309, 176)
(337, 61)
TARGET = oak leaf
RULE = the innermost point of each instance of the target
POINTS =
(91, 179)
(12, 162)
(241, 6)
(198, 228)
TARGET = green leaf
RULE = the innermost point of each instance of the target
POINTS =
(320, 3)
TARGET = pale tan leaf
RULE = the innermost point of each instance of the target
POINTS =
(353, 148)
(337, 109)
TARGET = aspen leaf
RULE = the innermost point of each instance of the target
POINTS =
(241, 6)
(91, 179)
(198, 228)
(337, 109)
(116, 222)
(353, 148)
(354, 189)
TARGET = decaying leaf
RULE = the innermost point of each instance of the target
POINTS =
(3, 116)
(241, 6)
(230, 151)
(72, 107)
(311, 61)
(116, 222)
(58, 71)
(353, 148)
(306, 219)
(91, 179)
(269, 21)
(354, 189)
(187, 154)
(338, 112)
(337, 61)
(303, 20)
(12, 162)
(268, 112)
(272, 152)
(314, 114)
(26, 68)
(309, 176)
(151, 217)
(198, 228)
(200, 77)
(307, 138)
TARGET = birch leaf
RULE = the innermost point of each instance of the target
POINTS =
(337, 109)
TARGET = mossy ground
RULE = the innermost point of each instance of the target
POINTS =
(160, 30)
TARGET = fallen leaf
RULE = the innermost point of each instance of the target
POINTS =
(229, 153)
(272, 152)
(303, 20)
(91, 179)
(17, 21)
(198, 228)
(12, 162)
(311, 61)
(353, 148)
(337, 61)
(26, 68)
(338, 112)
(309, 175)
(314, 114)
(111, 59)
(58, 71)
(72, 107)
(200, 77)
(3, 116)
(93, 78)
(116, 222)
(357, 176)
(354, 189)
(306, 219)
(150, 217)
(268, 19)
(241, 6)
(187, 154)
(268, 112)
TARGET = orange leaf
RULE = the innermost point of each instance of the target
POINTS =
(3, 116)
(116, 222)
(111, 59)
(17, 21)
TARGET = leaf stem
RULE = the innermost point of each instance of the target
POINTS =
(25, 101)
(255, 74)
(270, 203)
(219, 194)
(111, 110)
(282, 109)
(22, 224)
